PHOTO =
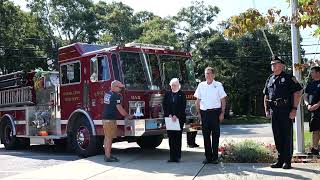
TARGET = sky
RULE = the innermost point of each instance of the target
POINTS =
(228, 8)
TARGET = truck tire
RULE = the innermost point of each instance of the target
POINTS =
(81, 138)
(9, 140)
(150, 142)
(23, 143)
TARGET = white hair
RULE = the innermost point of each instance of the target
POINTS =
(175, 81)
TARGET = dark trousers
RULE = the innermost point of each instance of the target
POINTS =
(191, 137)
(211, 127)
(282, 128)
(175, 138)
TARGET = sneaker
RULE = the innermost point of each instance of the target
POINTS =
(111, 159)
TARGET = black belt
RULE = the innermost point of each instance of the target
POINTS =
(211, 110)
(278, 102)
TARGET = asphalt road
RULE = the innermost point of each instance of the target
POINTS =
(19, 161)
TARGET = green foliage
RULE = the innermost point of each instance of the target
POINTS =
(193, 20)
(308, 14)
(247, 152)
(159, 31)
(246, 119)
(19, 36)
(242, 62)
(73, 20)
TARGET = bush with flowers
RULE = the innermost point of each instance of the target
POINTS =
(248, 151)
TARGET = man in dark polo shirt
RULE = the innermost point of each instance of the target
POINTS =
(112, 104)
(312, 101)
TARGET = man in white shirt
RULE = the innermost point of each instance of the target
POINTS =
(210, 103)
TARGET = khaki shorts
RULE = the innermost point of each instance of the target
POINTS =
(110, 128)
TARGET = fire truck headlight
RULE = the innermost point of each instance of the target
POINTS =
(191, 108)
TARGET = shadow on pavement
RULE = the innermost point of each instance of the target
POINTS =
(41, 152)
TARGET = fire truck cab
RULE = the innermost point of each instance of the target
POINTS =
(66, 107)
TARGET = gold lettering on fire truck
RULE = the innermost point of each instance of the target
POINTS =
(71, 93)
(71, 96)
(71, 99)
(190, 96)
(135, 97)
(98, 94)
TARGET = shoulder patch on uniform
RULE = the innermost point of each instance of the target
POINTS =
(294, 79)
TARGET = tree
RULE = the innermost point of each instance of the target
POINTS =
(117, 23)
(19, 40)
(193, 20)
(159, 31)
(73, 21)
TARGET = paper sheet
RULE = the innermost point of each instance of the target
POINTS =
(172, 125)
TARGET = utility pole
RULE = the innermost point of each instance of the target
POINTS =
(296, 59)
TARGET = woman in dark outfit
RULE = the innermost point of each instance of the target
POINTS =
(174, 106)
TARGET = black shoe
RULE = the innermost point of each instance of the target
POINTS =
(215, 161)
(314, 151)
(193, 145)
(287, 166)
(206, 161)
(277, 165)
(173, 160)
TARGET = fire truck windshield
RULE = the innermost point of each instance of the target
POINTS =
(178, 67)
(154, 72)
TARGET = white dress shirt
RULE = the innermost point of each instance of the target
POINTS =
(210, 95)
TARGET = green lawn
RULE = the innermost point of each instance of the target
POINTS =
(246, 119)
(307, 138)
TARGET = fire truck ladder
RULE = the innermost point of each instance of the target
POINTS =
(16, 97)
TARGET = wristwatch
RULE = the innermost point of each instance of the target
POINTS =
(294, 108)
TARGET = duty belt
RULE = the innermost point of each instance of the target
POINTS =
(280, 102)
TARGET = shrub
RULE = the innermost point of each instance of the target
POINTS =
(248, 152)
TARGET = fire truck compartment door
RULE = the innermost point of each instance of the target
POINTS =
(135, 127)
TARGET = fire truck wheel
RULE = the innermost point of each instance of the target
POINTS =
(23, 143)
(149, 142)
(7, 138)
(84, 143)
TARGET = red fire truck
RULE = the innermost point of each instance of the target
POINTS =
(65, 107)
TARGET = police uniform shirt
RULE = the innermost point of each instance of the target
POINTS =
(210, 95)
(281, 86)
(313, 91)
(111, 100)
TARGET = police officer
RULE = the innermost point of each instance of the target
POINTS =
(281, 99)
(312, 101)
